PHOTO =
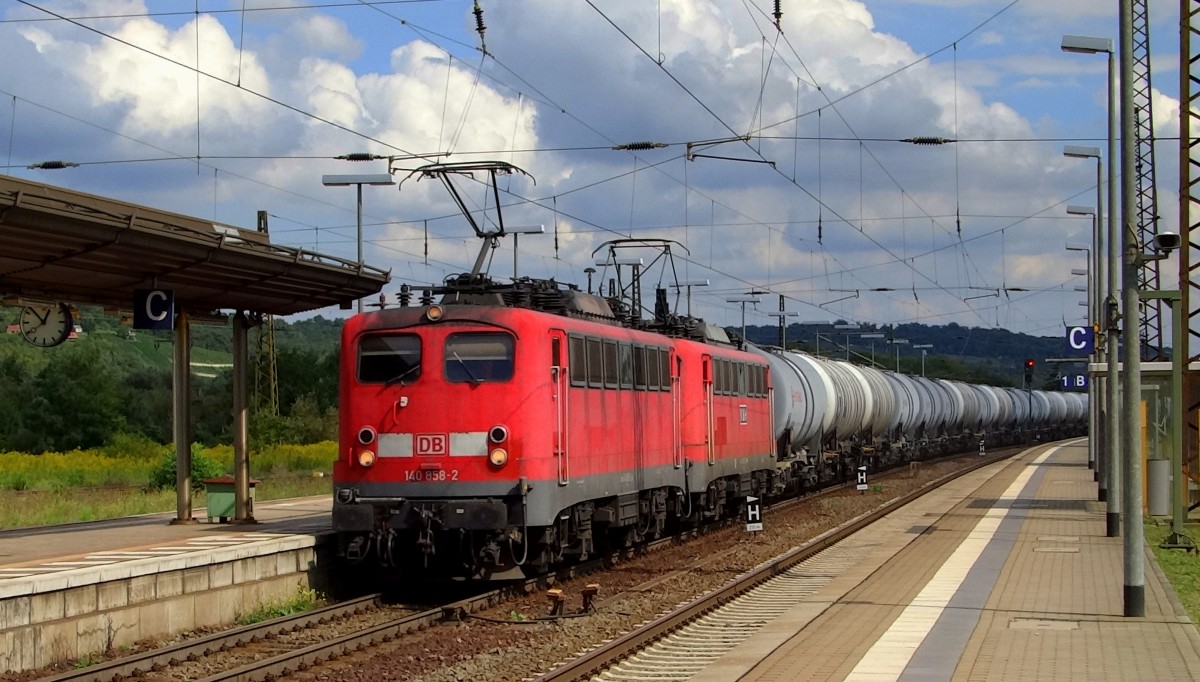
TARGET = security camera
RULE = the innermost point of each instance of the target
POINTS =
(1166, 241)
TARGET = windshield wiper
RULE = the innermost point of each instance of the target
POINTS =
(466, 369)
(400, 377)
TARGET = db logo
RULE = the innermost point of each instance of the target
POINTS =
(433, 444)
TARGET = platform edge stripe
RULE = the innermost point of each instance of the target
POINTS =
(891, 653)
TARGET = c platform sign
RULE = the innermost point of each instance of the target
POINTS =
(1081, 340)
(153, 309)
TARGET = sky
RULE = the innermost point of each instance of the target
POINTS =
(781, 167)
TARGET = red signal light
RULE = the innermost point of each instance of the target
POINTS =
(1029, 364)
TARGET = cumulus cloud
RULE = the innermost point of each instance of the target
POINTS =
(571, 82)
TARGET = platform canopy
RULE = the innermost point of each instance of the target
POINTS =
(59, 244)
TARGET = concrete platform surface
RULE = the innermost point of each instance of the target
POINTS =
(1005, 575)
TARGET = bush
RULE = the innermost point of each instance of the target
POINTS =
(135, 446)
(203, 467)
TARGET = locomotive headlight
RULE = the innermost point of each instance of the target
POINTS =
(366, 435)
(498, 434)
(366, 458)
(498, 457)
(434, 313)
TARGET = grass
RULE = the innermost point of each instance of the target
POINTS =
(305, 599)
(1181, 568)
(24, 508)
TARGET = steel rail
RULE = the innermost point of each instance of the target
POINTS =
(135, 664)
(597, 660)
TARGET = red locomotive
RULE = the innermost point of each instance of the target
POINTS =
(479, 438)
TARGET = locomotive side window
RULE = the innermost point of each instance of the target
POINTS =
(578, 361)
(595, 366)
(479, 357)
(389, 359)
(639, 367)
(652, 369)
(664, 369)
(610, 364)
(741, 379)
(625, 358)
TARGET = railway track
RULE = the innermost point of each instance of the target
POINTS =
(679, 643)
(159, 662)
(277, 659)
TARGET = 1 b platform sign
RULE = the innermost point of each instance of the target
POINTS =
(754, 514)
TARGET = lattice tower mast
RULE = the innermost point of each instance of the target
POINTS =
(1189, 218)
(1150, 331)
(266, 379)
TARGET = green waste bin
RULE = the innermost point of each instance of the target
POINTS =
(221, 499)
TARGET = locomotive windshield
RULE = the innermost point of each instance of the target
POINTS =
(389, 359)
(479, 357)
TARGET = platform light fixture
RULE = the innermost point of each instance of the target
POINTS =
(688, 284)
(751, 297)
(517, 230)
(358, 180)
(783, 315)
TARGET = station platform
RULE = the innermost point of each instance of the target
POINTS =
(69, 590)
(1004, 574)
(44, 550)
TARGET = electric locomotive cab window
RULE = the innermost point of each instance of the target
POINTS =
(391, 359)
(478, 357)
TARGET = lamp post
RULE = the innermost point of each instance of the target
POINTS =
(783, 315)
(1095, 279)
(358, 181)
(751, 297)
(896, 344)
(519, 230)
(924, 347)
(688, 284)
(1112, 470)
(847, 326)
(1133, 542)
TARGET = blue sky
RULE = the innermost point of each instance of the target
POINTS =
(845, 221)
